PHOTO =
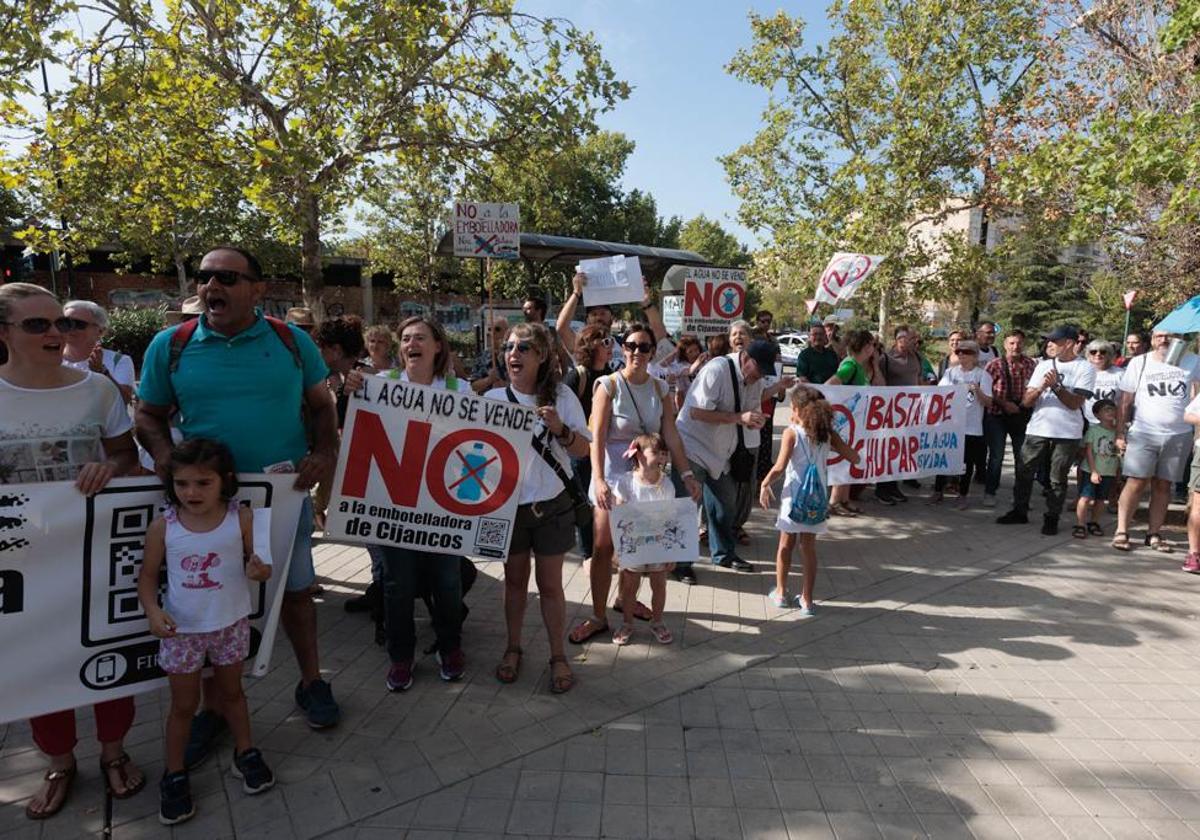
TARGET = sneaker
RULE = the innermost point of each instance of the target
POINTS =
(175, 799)
(989, 501)
(913, 483)
(735, 563)
(885, 499)
(1049, 526)
(453, 665)
(400, 676)
(805, 611)
(256, 776)
(1013, 517)
(780, 600)
(318, 704)
(1191, 563)
(899, 495)
(684, 574)
(206, 729)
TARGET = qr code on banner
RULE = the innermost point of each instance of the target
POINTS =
(491, 537)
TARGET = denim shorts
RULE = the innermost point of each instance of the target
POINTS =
(301, 573)
(1096, 491)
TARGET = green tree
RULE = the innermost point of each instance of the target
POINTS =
(324, 91)
(706, 237)
(888, 123)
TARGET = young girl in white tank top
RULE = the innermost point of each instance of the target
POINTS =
(205, 540)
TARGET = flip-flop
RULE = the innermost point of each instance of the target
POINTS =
(662, 633)
(120, 765)
(623, 635)
(585, 630)
(66, 778)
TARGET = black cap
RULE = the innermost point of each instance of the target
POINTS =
(763, 354)
(1062, 333)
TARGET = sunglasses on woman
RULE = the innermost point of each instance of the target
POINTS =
(223, 276)
(638, 346)
(41, 326)
(519, 346)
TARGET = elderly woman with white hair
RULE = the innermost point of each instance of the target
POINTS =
(82, 350)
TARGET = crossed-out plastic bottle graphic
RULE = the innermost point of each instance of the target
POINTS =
(473, 473)
(730, 302)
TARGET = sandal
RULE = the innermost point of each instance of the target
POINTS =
(843, 509)
(585, 630)
(59, 780)
(1120, 541)
(1095, 530)
(507, 672)
(640, 611)
(854, 511)
(662, 634)
(1159, 544)
(120, 765)
(563, 682)
(1079, 532)
(623, 635)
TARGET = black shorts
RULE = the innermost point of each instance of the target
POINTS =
(547, 527)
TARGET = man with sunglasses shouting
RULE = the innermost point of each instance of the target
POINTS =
(241, 378)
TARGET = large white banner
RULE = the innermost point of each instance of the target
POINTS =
(487, 230)
(844, 274)
(713, 298)
(898, 432)
(72, 627)
(429, 469)
(644, 533)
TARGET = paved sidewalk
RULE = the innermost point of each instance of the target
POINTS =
(960, 679)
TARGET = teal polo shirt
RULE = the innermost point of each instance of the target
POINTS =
(245, 391)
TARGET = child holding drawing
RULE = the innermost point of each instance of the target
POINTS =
(206, 541)
(646, 482)
(803, 508)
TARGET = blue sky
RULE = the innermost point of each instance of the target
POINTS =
(685, 110)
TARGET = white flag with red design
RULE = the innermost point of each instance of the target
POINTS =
(844, 274)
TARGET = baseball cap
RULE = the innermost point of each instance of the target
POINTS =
(1063, 333)
(763, 354)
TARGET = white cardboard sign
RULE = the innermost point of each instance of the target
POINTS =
(612, 280)
(487, 230)
(645, 533)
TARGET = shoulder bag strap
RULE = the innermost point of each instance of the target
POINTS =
(633, 399)
(737, 402)
(540, 447)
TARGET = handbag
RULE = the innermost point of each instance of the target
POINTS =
(742, 461)
(810, 502)
(581, 508)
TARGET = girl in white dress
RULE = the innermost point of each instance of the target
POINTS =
(648, 482)
(803, 506)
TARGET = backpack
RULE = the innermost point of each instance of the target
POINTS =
(810, 502)
(183, 333)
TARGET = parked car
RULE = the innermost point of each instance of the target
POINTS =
(790, 345)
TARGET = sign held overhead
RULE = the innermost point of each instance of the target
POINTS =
(844, 274)
(713, 298)
(485, 230)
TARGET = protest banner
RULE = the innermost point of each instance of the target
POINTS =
(844, 274)
(672, 310)
(429, 469)
(73, 627)
(486, 230)
(713, 298)
(644, 533)
(898, 432)
(612, 280)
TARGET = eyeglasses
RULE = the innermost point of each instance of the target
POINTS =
(81, 324)
(1097, 352)
(963, 352)
(41, 326)
(223, 276)
(605, 342)
(519, 346)
(639, 346)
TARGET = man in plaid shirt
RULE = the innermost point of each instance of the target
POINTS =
(1006, 418)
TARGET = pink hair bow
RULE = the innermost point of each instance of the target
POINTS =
(631, 452)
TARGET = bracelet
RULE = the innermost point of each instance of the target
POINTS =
(566, 431)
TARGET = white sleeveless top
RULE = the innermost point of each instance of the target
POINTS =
(207, 587)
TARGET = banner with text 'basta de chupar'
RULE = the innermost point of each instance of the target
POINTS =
(429, 469)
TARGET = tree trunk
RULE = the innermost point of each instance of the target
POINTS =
(310, 253)
(181, 275)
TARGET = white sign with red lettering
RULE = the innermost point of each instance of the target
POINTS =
(429, 469)
(844, 274)
(713, 298)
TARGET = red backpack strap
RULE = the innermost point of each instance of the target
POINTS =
(287, 337)
(181, 335)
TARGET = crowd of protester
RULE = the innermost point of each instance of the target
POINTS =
(624, 415)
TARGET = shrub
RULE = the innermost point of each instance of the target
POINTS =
(130, 331)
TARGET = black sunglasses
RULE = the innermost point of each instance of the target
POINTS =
(41, 326)
(223, 276)
(638, 346)
(519, 346)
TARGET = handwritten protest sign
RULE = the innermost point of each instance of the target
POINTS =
(484, 230)
(713, 298)
(68, 645)
(844, 274)
(898, 432)
(429, 469)
(646, 533)
(612, 280)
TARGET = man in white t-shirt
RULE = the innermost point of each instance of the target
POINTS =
(82, 348)
(1058, 389)
(1157, 443)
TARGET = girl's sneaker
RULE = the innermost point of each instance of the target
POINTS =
(805, 611)
(1191, 563)
(175, 798)
(256, 776)
(780, 600)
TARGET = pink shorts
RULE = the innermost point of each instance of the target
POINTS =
(184, 653)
